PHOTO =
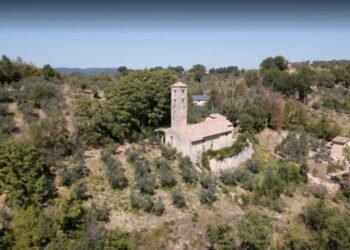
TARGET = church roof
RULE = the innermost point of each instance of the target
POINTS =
(213, 125)
(179, 84)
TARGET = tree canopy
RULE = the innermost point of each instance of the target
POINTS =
(23, 174)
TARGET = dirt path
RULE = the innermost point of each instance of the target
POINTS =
(331, 187)
(69, 115)
(19, 120)
(270, 139)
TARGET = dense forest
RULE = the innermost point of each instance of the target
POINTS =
(81, 166)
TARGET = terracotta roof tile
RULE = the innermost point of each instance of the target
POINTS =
(213, 125)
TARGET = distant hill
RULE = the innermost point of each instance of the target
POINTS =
(86, 71)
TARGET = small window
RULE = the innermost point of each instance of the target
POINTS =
(183, 100)
(183, 91)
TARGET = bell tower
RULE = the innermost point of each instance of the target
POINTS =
(178, 105)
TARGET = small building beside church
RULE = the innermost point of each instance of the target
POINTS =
(337, 146)
(200, 100)
(215, 132)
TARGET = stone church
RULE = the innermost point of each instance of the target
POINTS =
(215, 132)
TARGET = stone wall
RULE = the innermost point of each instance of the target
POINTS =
(232, 162)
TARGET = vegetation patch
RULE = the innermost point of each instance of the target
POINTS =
(240, 144)
(115, 171)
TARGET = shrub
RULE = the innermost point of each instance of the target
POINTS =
(303, 170)
(205, 161)
(145, 202)
(101, 212)
(132, 155)
(23, 175)
(145, 180)
(166, 175)
(319, 191)
(79, 191)
(146, 183)
(245, 177)
(323, 128)
(158, 207)
(277, 205)
(334, 167)
(207, 193)
(70, 214)
(324, 220)
(39, 94)
(289, 173)
(316, 105)
(178, 198)
(139, 201)
(71, 175)
(115, 171)
(294, 147)
(51, 136)
(240, 144)
(5, 95)
(136, 200)
(168, 153)
(7, 123)
(272, 185)
(228, 177)
(255, 231)
(188, 172)
(220, 237)
(253, 166)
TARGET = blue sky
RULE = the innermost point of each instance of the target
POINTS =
(242, 37)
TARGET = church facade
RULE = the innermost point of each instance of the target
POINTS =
(215, 132)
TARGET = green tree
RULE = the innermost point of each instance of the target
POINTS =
(255, 114)
(342, 76)
(101, 122)
(178, 198)
(23, 174)
(117, 239)
(326, 79)
(207, 193)
(220, 237)
(41, 92)
(323, 128)
(254, 231)
(252, 78)
(305, 79)
(198, 71)
(49, 73)
(145, 96)
(51, 137)
(123, 70)
(115, 171)
(295, 115)
(274, 63)
(32, 229)
(298, 237)
(178, 69)
(8, 71)
(331, 226)
(70, 214)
